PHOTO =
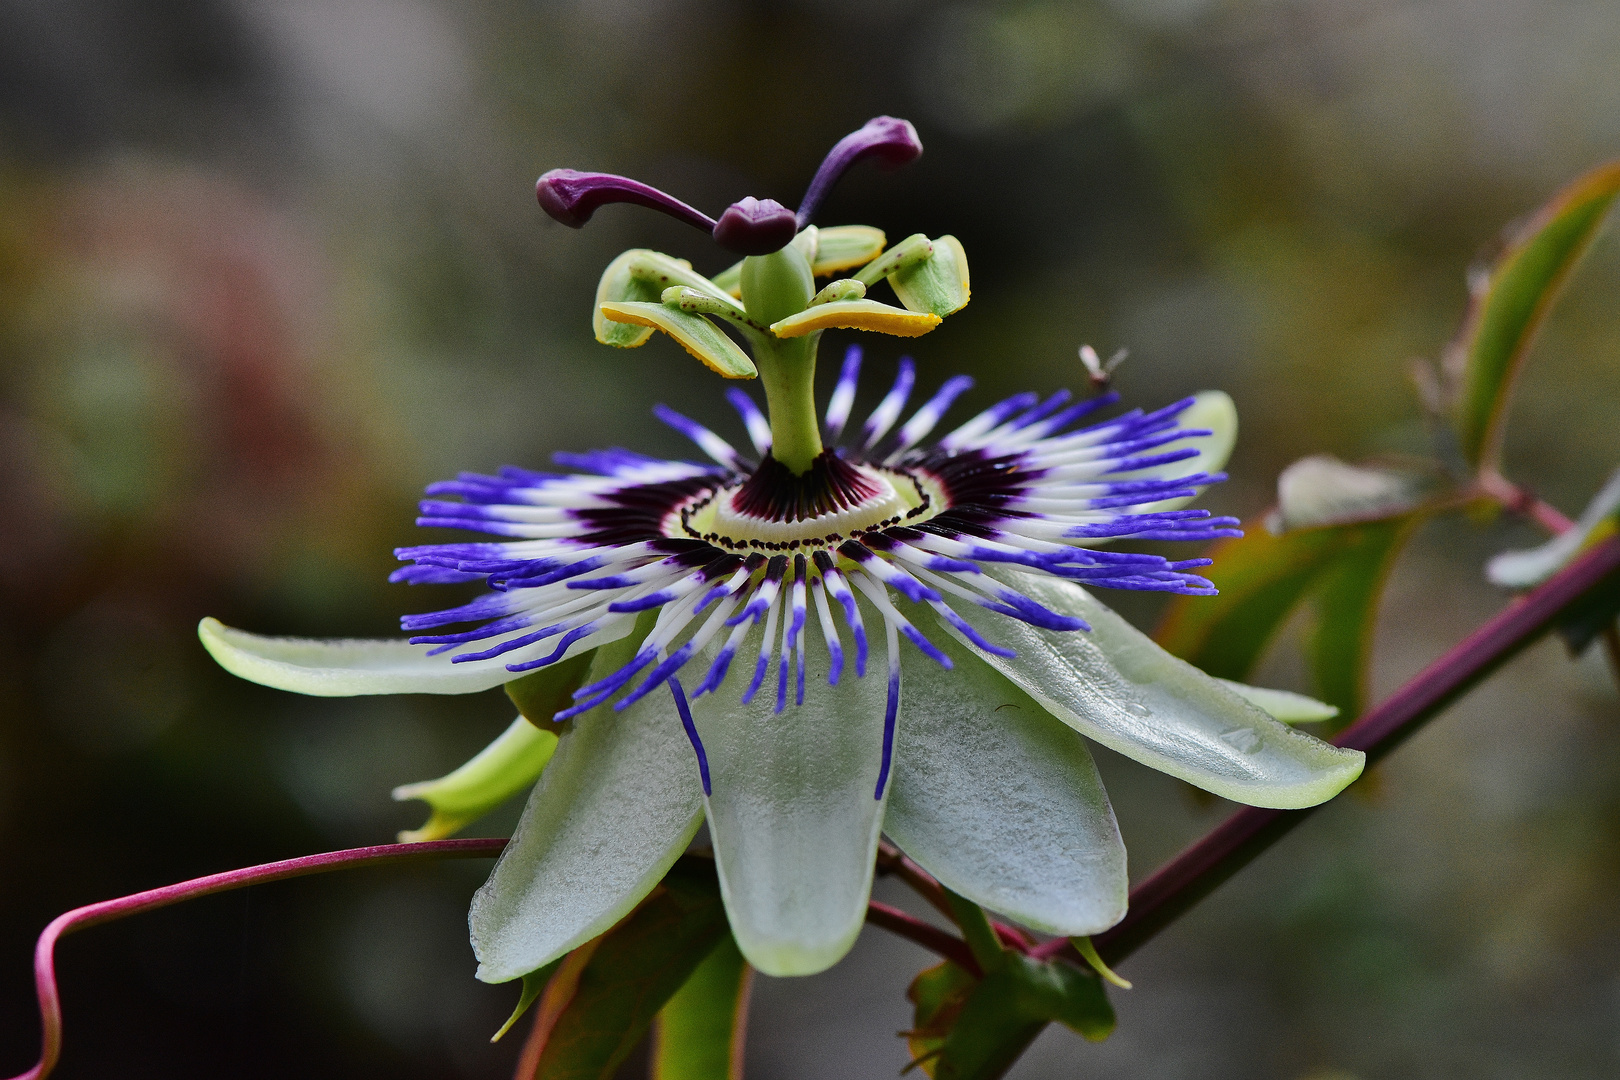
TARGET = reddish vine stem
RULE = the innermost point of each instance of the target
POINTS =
(50, 1003)
(1524, 502)
(1197, 871)
(927, 935)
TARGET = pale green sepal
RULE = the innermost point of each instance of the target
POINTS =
(1114, 685)
(1283, 705)
(347, 667)
(499, 771)
(694, 333)
(1213, 411)
(908, 252)
(792, 814)
(534, 984)
(842, 289)
(1088, 952)
(641, 275)
(1000, 801)
(938, 284)
(1530, 567)
(612, 812)
(844, 247)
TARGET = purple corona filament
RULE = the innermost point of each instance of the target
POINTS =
(748, 226)
(745, 561)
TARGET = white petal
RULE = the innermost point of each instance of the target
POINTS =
(614, 809)
(1284, 705)
(1532, 566)
(792, 813)
(345, 667)
(1322, 490)
(1114, 685)
(1001, 802)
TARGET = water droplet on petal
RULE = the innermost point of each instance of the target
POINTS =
(1136, 708)
(1245, 739)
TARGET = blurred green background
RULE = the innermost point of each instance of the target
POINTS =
(268, 268)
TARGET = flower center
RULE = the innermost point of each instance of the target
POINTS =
(836, 500)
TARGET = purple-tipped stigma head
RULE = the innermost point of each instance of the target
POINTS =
(572, 197)
(888, 139)
(749, 226)
(753, 226)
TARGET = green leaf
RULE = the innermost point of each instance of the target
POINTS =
(1505, 313)
(1011, 1005)
(1346, 602)
(635, 969)
(699, 1034)
(1261, 578)
(938, 993)
(694, 333)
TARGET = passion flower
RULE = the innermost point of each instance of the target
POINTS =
(693, 640)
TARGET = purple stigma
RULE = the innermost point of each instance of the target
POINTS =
(753, 226)
(892, 141)
(572, 197)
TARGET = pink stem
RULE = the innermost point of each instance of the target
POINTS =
(50, 1003)
(1523, 501)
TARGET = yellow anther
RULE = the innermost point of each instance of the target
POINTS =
(856, 315)
(695, 334)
